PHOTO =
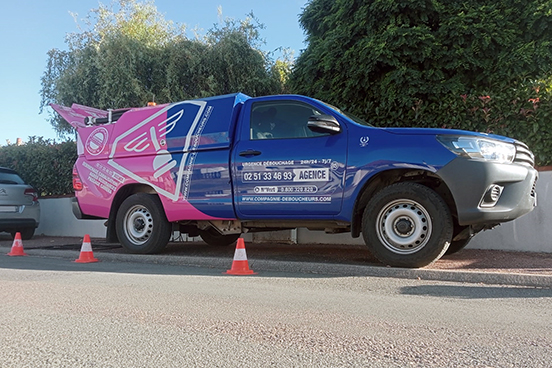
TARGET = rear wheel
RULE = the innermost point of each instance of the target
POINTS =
(142, 226)
(407, 225)
(214, 238)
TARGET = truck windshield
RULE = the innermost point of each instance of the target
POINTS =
(354, 118)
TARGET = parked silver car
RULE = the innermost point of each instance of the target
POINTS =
(19, 207)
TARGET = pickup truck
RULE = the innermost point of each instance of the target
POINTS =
(226, 165)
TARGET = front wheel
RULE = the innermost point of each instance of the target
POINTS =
(407, 225)
(457, 245)
(142, 226)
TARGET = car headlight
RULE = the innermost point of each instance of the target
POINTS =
(479, 148)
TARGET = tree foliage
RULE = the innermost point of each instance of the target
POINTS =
(129, 54)
(428, 62)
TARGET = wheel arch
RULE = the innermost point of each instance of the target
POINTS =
(122, 194)
(388, 177)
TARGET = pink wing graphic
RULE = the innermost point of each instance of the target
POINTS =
(146, 140)
(76, 114)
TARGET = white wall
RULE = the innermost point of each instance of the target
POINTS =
(532, 232)
(57, 219)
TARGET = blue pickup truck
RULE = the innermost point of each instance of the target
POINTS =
(222, 166)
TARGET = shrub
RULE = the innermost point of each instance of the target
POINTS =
(42, 163)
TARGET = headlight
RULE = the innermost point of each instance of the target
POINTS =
(479, 148)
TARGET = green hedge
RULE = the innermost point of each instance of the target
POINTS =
(466, 64)
(523, 113)
(44, 164)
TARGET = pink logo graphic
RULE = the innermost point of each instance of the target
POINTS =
(96, 141)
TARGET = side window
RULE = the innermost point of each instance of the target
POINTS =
(281, 119)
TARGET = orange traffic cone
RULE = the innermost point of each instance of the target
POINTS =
(240, 266)
(86, 255)
(17, 247)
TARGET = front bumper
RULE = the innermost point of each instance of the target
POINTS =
(9, 225)
(469, 182)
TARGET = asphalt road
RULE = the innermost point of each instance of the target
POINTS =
(57, 313)
(469, 265)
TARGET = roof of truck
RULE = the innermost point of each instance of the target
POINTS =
(80, 116)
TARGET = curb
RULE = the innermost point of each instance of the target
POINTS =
(337, 270)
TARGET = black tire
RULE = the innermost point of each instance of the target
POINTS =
(26, 233)
(407, 225)
(214, 238)
(456, 246)
(141, 224)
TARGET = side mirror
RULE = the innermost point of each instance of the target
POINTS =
(324, 124)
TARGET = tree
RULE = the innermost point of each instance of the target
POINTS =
(391, 53)
(408, 62)
(132, 55)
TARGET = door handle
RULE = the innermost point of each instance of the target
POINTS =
(250, 152)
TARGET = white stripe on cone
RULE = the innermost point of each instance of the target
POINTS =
(240, 255)
(86, 247)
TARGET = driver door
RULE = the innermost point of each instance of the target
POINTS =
(281, 168)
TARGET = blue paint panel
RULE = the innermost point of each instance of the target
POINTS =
(211, 190)
(294, 173)
(372, 151)
(295, 177)
(205, 123)
(355, 155)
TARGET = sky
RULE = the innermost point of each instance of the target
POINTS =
(29, 28)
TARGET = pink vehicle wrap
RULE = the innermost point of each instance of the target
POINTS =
(175, 149)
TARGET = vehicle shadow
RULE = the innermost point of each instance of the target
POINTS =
(192, 258)
(288, 260)
(64, 264)
(195, 258)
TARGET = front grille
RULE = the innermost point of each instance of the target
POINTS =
(523, 155)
